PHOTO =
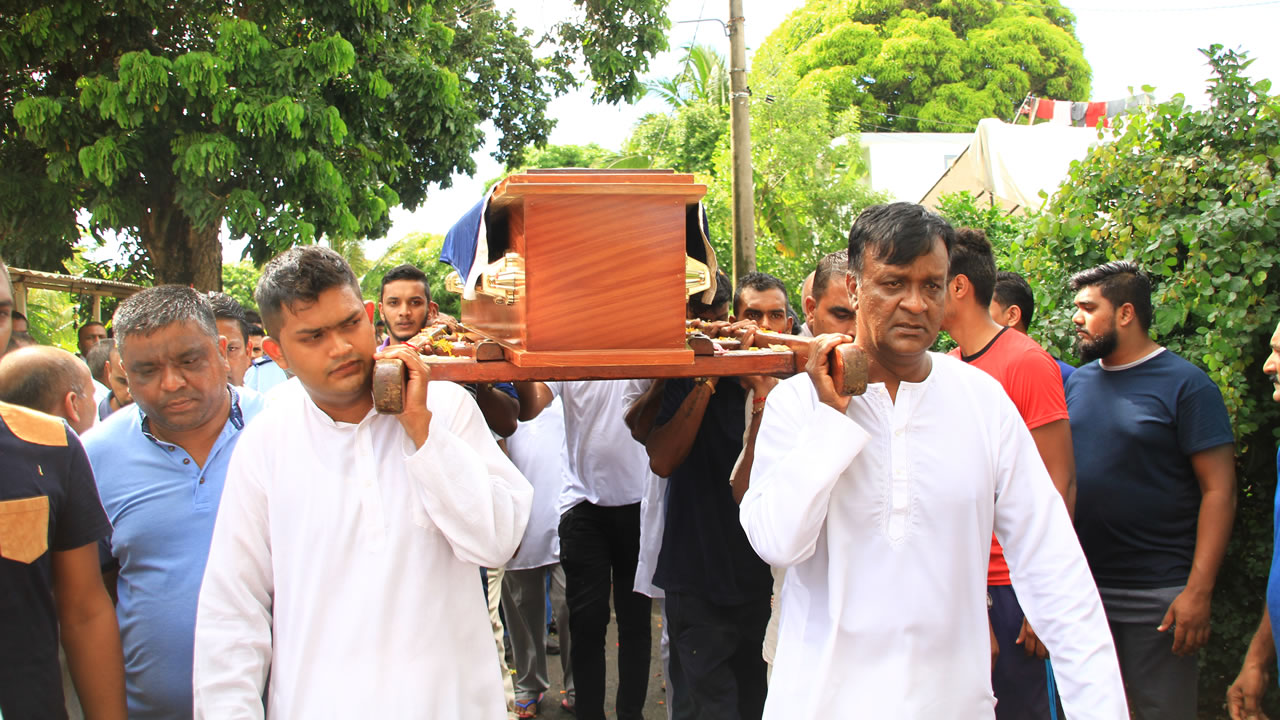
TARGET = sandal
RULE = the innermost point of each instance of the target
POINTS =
(528, 708)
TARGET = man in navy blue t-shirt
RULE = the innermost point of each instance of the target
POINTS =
(1244, 697)
(1155, 470)
(717, 588)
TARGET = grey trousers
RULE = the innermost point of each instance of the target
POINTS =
(524, 601)
(1159, 684)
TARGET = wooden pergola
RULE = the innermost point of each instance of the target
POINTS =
(24, 280)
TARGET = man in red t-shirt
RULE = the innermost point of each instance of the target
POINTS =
(1022, 681)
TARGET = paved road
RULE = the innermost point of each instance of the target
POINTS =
(655, 707)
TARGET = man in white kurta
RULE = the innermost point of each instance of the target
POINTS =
(882, 514)
(344, 560)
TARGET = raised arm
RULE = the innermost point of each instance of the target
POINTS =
(534, 397)
(802, 448)
(468, 487)
(233, 617)
(643, 411)
(669, 443)
(500, 410)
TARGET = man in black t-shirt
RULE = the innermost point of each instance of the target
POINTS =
(1156, 488)
(717, 588)
(50, 522)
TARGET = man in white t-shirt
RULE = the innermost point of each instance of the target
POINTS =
(600, 538)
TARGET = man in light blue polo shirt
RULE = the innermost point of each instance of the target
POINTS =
(160, 467)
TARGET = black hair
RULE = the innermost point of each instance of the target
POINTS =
(1120, 282)
(17, 315)
(42, 382)
(1013, 289)
(226, 307)
(722, 295)
(405, 272)
(159, 307)
(759, 282)
(896, 234)
(971, 256)
(256, 331)
(97, 358)
(297, 275)
(831, 266)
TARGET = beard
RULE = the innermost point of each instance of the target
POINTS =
(1098, 347)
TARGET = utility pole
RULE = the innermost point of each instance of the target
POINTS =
(744, 213)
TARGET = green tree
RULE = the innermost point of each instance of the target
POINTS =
(704, 78)
(421, 250)
(807, 164)
(1191, 196)
(240, 280)
(289, 122)
(911, 65)
(808, 173)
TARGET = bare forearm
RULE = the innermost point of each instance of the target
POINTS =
(96, 661)
(500, 410)
(669, 444)
(644, 411)
(1213, 531)
(534, 396)
(1262, 649)
(741, 480)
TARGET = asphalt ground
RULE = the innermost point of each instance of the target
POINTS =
(655, 706)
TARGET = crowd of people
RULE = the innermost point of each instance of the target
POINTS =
(202, 515)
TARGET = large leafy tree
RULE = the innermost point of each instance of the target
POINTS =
(921, 65)
(290, 122)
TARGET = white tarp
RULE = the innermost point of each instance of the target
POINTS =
(1011, 164)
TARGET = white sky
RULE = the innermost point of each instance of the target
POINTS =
(1128, 43)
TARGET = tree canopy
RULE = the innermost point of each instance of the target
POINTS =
(289, 121)
(920, 65)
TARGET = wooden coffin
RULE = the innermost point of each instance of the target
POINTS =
(587, 267)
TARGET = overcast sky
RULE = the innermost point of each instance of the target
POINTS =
(1128, 43)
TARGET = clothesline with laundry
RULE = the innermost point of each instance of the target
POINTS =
(1080, 114)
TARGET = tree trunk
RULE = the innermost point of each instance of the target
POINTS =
(182, 254)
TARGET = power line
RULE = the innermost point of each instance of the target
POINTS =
(688, 58)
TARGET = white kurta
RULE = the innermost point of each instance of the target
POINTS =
(883, 517)
(345, 564)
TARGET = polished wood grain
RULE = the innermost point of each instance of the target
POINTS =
(604, 267)
(466, 370)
